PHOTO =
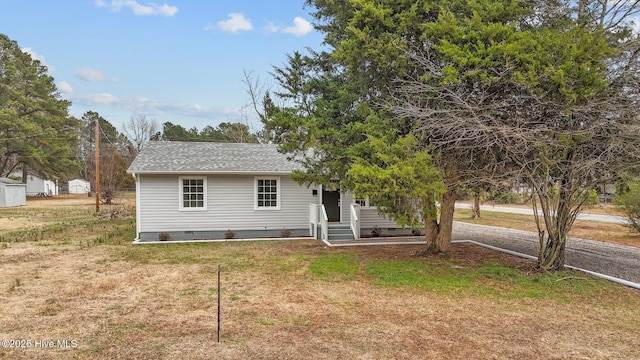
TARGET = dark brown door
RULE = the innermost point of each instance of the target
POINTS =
(331, 202)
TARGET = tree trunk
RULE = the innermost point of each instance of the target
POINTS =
(107, 196)
(447, 209)
(559, 222)
(475, 209)
(432, 231)
(25, 172)
(438, 235)
(431, 226)
(553, 254)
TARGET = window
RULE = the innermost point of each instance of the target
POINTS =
(267, 193)
(361, 201)
(193, 193)
(364, 202)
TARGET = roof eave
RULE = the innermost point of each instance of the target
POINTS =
(209, 172)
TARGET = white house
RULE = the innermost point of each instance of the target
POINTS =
(12, 193)
(37, 185)
(192, 190)
(79, 186)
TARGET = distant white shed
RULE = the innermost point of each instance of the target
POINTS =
(79, 186)
(37, 185)
(12, 193)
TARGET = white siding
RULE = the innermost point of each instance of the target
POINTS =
(369, 216)
(37, 185)
(230, 205)
(13, 195)
(346, 199)
(79, 186)
(50, 187)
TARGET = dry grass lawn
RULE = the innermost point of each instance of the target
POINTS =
(82, 280)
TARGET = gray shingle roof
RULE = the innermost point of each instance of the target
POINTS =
(8, 181)
(208, 157)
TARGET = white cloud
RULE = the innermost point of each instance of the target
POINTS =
(143, 105)
(237, 22)
(271, 28)
(65, 88)
(89, 74)
(300, 27)
(159, 107)
(95, 99)
(138, 9)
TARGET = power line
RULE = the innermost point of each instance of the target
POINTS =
(106, 136)
(66, 128)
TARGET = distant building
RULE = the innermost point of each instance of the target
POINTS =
(12, 193)
(36, 184)
(79, 186)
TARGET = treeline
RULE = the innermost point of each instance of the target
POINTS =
(224, 132)
(37, 133)
(118, 149)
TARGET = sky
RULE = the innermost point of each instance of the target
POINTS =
(179, 61)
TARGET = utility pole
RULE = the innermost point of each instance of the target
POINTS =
(97, 185)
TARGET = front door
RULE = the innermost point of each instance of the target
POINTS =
(331, 202)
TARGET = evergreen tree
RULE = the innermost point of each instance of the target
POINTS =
(36, 131)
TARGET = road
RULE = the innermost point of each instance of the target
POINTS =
(619, 261)
(529, 211)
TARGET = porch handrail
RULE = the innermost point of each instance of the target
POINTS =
(313, 220)
(324, 221)
(355, 220)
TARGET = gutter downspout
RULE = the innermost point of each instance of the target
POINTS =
(137, 179)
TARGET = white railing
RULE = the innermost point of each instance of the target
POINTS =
(313, 220)
(324, 222)
(318, 217)
(314, 210)
(355, 220)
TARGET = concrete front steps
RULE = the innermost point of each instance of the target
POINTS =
(341, 235)
(340, 232)
(400, 240)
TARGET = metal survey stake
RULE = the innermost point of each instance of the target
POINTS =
(218, 302)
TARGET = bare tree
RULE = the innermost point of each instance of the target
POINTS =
(259, 102)
(562, 136)
(237, 132)
(113, 174)
(139, 130)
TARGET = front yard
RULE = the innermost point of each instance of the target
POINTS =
(68, 275)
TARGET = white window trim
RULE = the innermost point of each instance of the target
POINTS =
(355, 201)
(255, 193)
(204, 189)
(366, 205)
(369, 206)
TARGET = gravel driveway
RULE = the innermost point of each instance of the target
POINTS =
(614, 260)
